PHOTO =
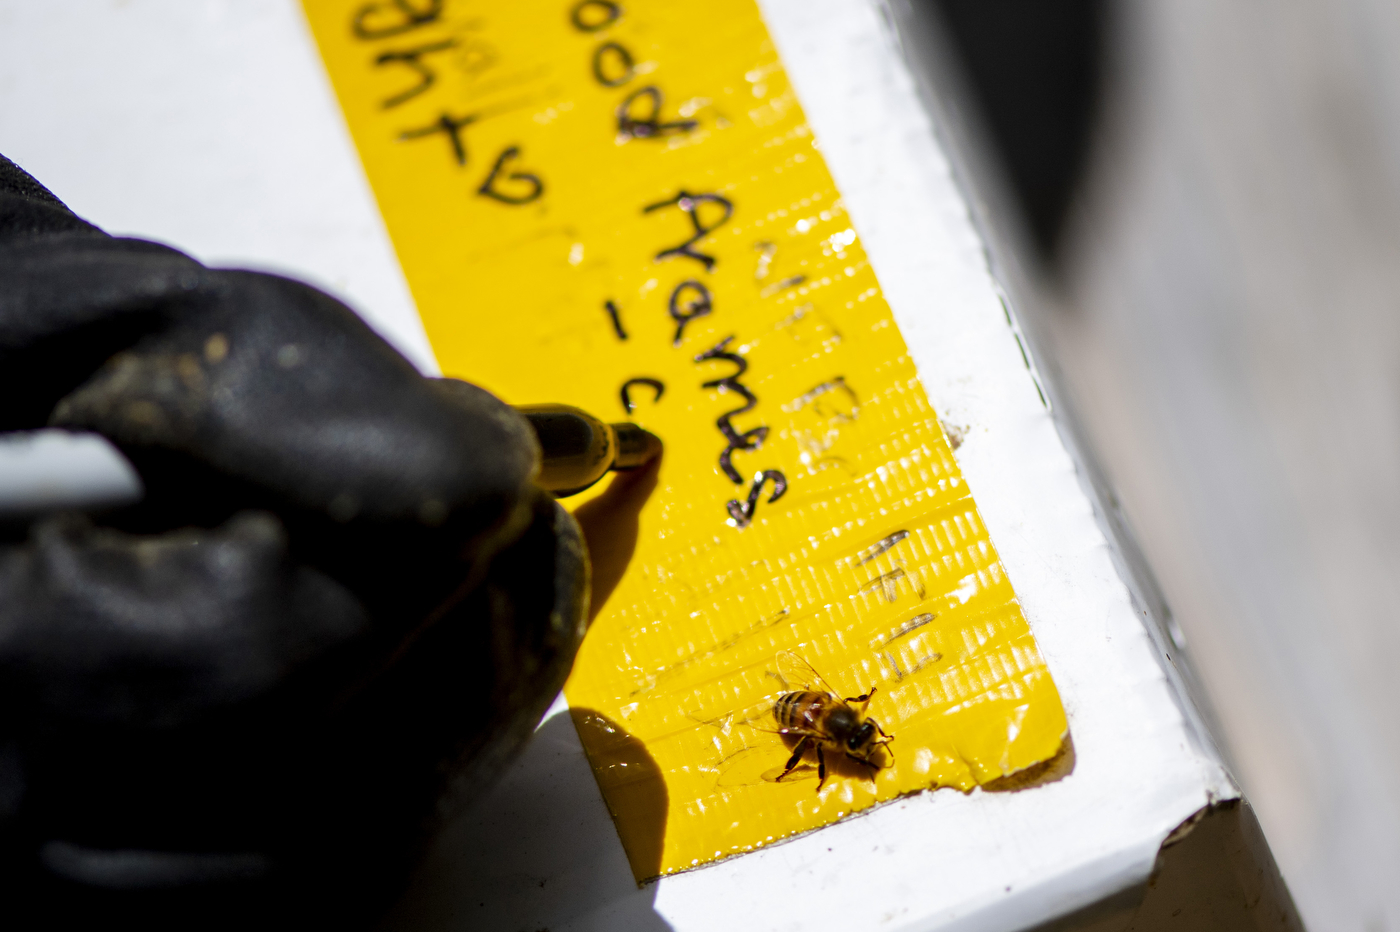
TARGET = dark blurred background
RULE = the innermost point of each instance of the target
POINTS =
(1034, 72)
(1196, 205)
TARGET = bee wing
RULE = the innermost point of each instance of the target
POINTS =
(752, 766)
(785, 673)
(745, 767)
(758, 716)
(798, 674)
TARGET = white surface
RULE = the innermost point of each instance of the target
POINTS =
(44, 470)
(206, 124)
(218, 132)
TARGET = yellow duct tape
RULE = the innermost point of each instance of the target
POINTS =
(583, 194)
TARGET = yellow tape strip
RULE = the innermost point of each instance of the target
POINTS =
(587, 193)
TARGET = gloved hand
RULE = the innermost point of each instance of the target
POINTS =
(339, 608)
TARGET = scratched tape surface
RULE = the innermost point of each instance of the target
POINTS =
(583, 194)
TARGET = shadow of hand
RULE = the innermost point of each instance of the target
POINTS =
(609, 524)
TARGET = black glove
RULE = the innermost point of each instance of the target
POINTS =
(340, 607)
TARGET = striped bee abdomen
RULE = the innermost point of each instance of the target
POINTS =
(803, 711)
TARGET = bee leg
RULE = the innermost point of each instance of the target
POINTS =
(864, 697)
(795, 759)
(821, 768)
(888, 738)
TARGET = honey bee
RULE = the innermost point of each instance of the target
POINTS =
(812, 711)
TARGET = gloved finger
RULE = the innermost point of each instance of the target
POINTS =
(232, 390)
(275, 396)
(204, 739)
(396, 630)
(173, 629)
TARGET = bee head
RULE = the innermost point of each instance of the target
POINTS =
(861, 736)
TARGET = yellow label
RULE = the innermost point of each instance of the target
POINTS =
(583, 194)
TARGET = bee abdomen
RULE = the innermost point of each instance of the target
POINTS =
(800, 710)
